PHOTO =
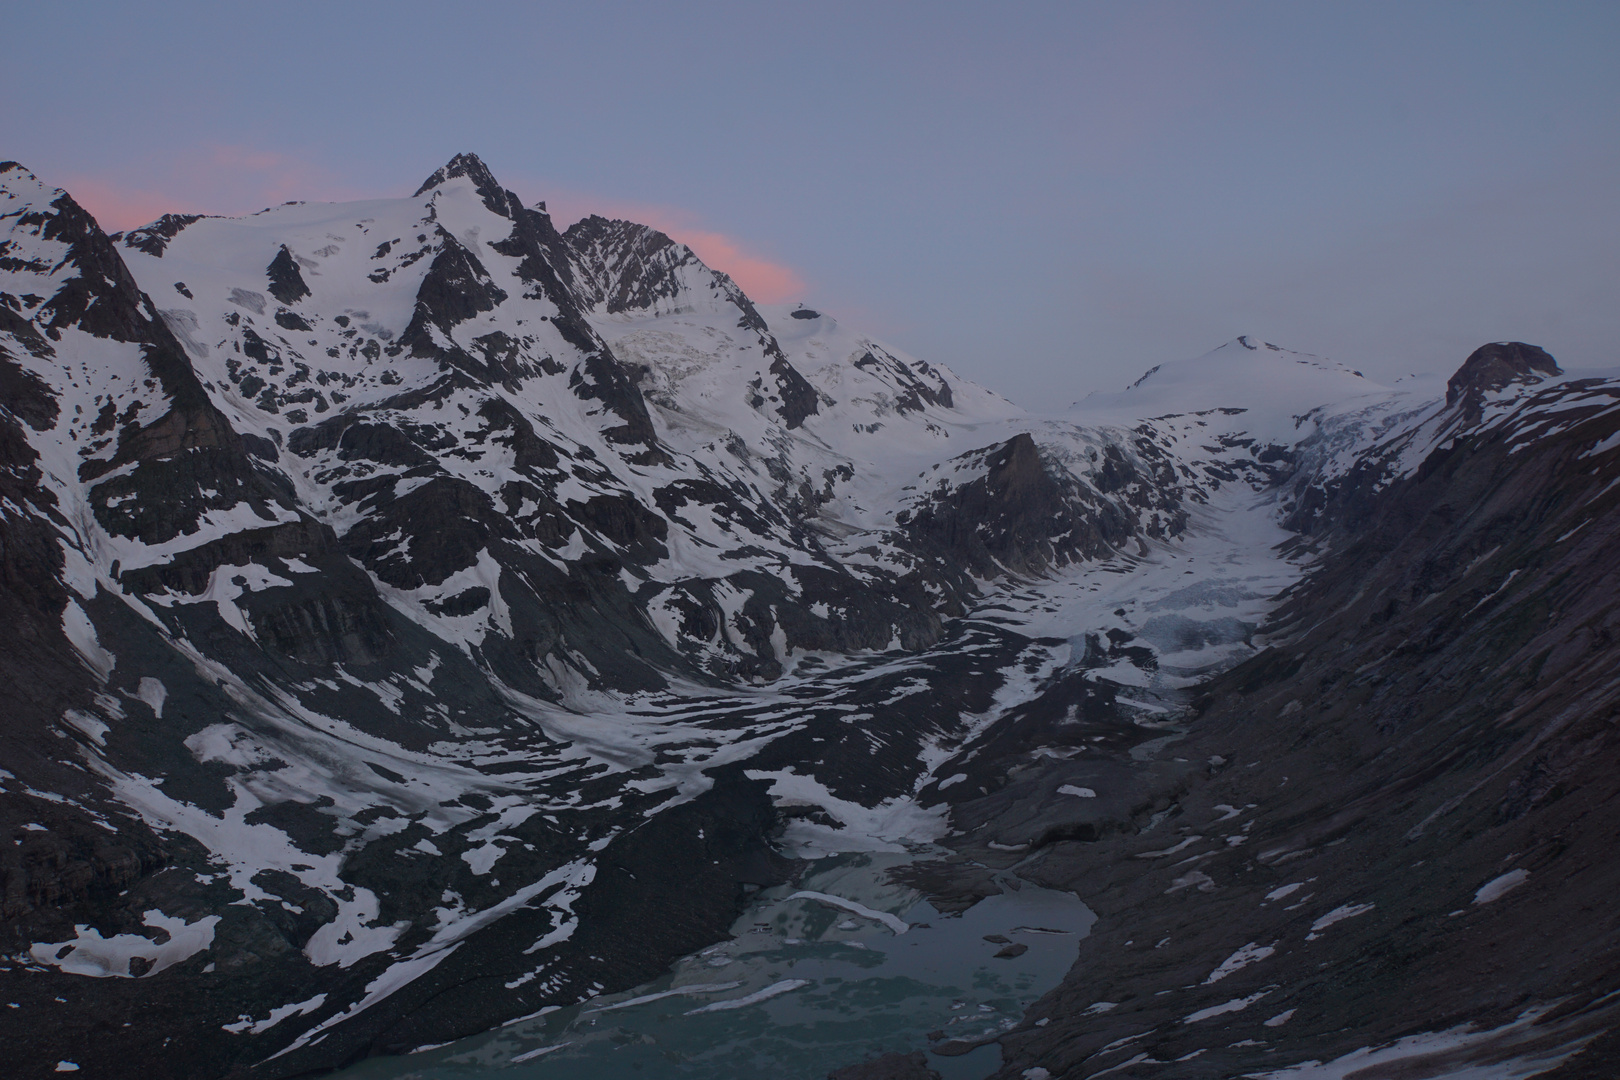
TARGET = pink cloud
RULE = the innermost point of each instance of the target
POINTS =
(763, 280)
(118, 208)
(212, 179)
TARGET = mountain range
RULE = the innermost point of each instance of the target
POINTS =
(418, 617)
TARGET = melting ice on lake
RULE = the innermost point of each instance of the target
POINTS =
(804, 986)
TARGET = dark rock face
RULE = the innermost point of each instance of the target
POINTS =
(798, 399)
(1003, 801)
(1021, 517)
(794, 399)
(286, 280)
(623, 266)
(1493, 367)
(102, 299)
(289, 321)
(1348, 501)
(456, 290)
(71, 859)
(602, 378)
(547, 266)
(154, 238)
(919, 382)
(421, 537)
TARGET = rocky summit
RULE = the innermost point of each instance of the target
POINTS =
(418, 618)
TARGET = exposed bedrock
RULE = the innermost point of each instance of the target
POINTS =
(1023, 516)
(286, 280)
(1494, 367)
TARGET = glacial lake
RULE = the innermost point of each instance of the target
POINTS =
(807, 984)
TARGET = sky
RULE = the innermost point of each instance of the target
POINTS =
(1047, 197)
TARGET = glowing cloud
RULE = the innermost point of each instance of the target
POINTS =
(763, 280)
(215, 179)
(117, 208)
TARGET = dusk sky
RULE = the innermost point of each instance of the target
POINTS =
(1049, 198)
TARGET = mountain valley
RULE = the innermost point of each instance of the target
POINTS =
(421, 619)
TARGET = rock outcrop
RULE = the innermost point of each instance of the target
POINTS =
(1495, 367)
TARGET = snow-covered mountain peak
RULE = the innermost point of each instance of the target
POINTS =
(15, 180)
(626, 268)
(471, 168)
(1243, 353)
(1271, 386)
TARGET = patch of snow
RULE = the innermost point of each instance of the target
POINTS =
(893, 922)
(1603, 446)
(1338, 914)
(1497, 887)
(1184, 845)
(91, 954)
(1252, 953)
(482, 858)
(773, 990)
(1235, 1005)
(888, 826)
(1193, 879)
(248, 1025)
(154, 693)
(679, 991)
(81, 633)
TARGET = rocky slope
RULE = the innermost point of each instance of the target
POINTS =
(1381, 842)
(421, 617)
